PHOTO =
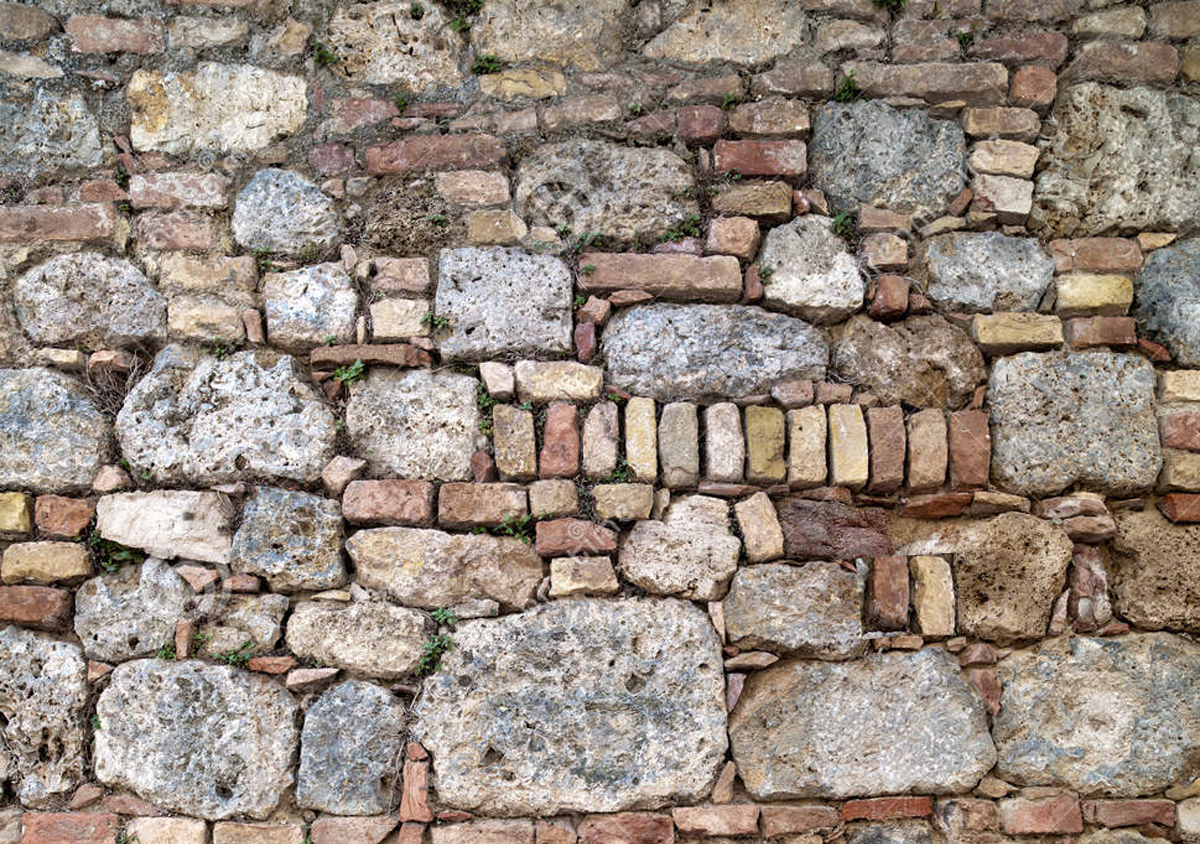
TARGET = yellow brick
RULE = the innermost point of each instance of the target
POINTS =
(1084, 294)
(1007, 333)
(934, 596)
(14, 514)
(1179, 385)
(848, 458)
(807, 465)
(641, 439)
(44, 562)
(765, 439)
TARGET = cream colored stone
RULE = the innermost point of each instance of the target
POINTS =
(807, 430)
(885, 251)
(582, 576)
(1180, 471)
(27, 67)
(557, 497)
(1084, 294)
(513, 443)
(849, 464)
(1121, 21)
(762, 535)
(204, 319)
(1179, 385)
(70, 360)
(533, 83)
(166, 831)
(641, 439)
(399, 319)
(495, 228)
(933, 598)
(233, 279)
(1187, 820)
(623, 502)
(473, 188)
(15, 518)
(1004, 158)
(546, 381)
(44, 562)
(383, 44)
(679, 445)
(1149, 241)
(1008, 333)
(1009, 199)
(724, 446)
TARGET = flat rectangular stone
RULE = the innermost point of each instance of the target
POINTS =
(37, 607)
(927, 450)
(1045, 816)
(976, 84)
(784, 820)
(601, 438)
(69, 828)
(1096, 255)
(849, 464)
(1019, 124)
(513, 443)
(87, 222)
(970, 445)
(371, 354)
(724, 446)
(389, 502)
(795, 77)
(1115, 331)
(399, 319)
(1009, 333)
(1004, 158)
(16, 519)
(560, 442)
(553, 498)
(1134, 61)
(761, 158)
(774, 117)
(178, 190)
(886, 808)
(681, 278)
(887, 598)
(767, 201)
(1181, 507)
(807, 460)
(582, 576)
(1092, 294)
(1115, 813)
(44, 562)
(1180, 430)
(401, 275)
(627, 828)
(762, 535)
(679, 445)
(99, 34)
(1180, 19)
(885, 431)
(1179, 385)
(573, 538)
(473, 188)
(623, 502)
(258, 833)
(937, 505)
(1038, 46)
(418, 153)
(641, 439)
(933, 599)
(1180, 471)
(464, 505)
(1009, 199)
(766, 439)
(728, 819)
(546, 381)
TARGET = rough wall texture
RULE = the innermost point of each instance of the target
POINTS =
(599, 422)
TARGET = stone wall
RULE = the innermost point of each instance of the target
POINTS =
(610, 422)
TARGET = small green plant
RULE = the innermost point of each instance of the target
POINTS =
(578, 301)
(765, 274)
(483, 399)
(485, 426)
(437, 220)
(587, 269)
(444, 615)
(238, 656)
(891, 5)
(620, 475)
(219, 350)
(616, 398)
(733, 175)
(586, 241)
(309, 254)
(401, 102)
(526, 405)
(562, 229)
(350, 373)
(847, 89)
(965, 38)
(842, 225)
(331, 340)
(121, 177)
(126, 838)
(322, 55)
(518, 527)
(432, 652)
(167, 652)
(728, 101)
(416, 11)
(460, 24)
(637, 109)
(200, 640)
(263, 262)
(688, 227)
(125, 207)
(95, 722)
(109, 555)
(486, 63)
(437, 322)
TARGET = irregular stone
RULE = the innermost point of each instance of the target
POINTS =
(130, 613)
(986, 271)
(547, 381)
(1063, 418)
(599, 188)
(582, 576)
(48, 131)
(903, 160)
(372, 638)
(281, 211)
(933, 598)
(513, 443)
(813, 276)
(584, 35)
(415, 424)
(431, 569)
(1167, 291)
(830, 530)
(236, 107)
(293, 539)
(167, 830)
(195, 419)
(690, 553)
(922, 361)
(753, 32)
(306, 307)
(667, 351)
(241, 623)
(833, 714)
(382, 44)
(1153, 577)
(761, 534)
(169, 523)
(669, 705)
(1114, 717)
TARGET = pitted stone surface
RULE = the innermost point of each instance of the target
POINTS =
(306, 307)
(1114, 717)
(868, 152)
(586, 34)
(689, 554)
(50, 131)
(889, 723)
(813, 276)
(709, 352)
(503, 301)
(746, 32)
(88, 299)
(52, 436)
(241, 623)
(1168, 300)
(43, 692)
(195, 419)
(987, 271)
(130, 613)
(1155, 571)
(382, 43)
(207, 740)
(1062, 418)
(584, 705)
(595, 187)
(293, 539)
(416, 424)
(281, 211)
(367, 637)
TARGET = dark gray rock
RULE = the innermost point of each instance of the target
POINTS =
(281, 211)
(1168, 300)
(291, 538)
(986, 271)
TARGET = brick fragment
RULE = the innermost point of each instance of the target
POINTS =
(970, 445)
(59, 517)
(86, 222)
(1021, 124)
(69, 828)
(1048, 47)
(937, 505)
(886, 808)
(1181, 507)
(573, 537)
(371, 354)
(1045, 816)
(887, 601)
(761, 158)
(728, 819)
(36, 607)
(1113, 813)
(98, 34)
(684, 278)
(1088, 332)
(627, 828)
(700, 124)
(389, 502)
(178, 190)
(1034, 87)
(891, 297)
(436, 152)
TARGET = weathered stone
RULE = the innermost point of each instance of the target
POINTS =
(1091, 184)
(1167, 292)
(1004, 158)
(601, 440)
(584, 35)
(503, 301)
(641, 439)
(352, 737)
(420, 153)
(169, 523)
(807, 434)
(371, 638)
(130, 613)
(903, 160)
(813, 276)
(36, 607)
(1153, 571)
(462, 505)
(1115, 717)
(382, 44)
(582, 576)
(415, 424)
(237, 107)
(679, 445)
(547, 381)
(933, 597)
(829, 530)
(241, 623)
(669, 706)
(293, 539)
(923, 361)
(431, 569)
(195, 419)
(169, 747)
(281, 211)
(514, 443)
(838, 716)
(167, 830)
(759, 526)
(667, 351)
(928, 453)
(564, 537)
(623, 502)
(724, 447)
(621, 193)
(553, 498)
(686, 278)
(1061, 418)
(690, 553)
(64, 827)
(767, 201)
(986, 271)
(1011, 332)
(849, 464)
(49, 131)
(752, 32)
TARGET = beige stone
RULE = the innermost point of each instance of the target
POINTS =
(167, 831)
(1004, 158)
(849, 464)
(807, 464)
(533, 83)
(495, 228)
(44, 562)
(169, 523)
(556, 497)
(762, 535)
(1009, 199)
(1190, 68)
(383, 44)
(1179, 385)
(623, 502)
(513, 443)
(15, 514)
(724, 447)
(679, 445)
(473, 188)
(601, 439)
(641, 439)
(885, 251)
(1008, 333)
(1180, 471)
(752, 32)
(928, 452)
(233, 279)
(1121, 21)
(546, 381)
(491, 831)
(582, 576)
(1085, 294)
(258, 833)
(933, 598)
(399, 319)
(765, 443)
(204, 319)
(769, 200)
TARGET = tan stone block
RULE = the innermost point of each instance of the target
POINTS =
(1180, 471)
(1021, 124)
(641, 439)
(724, 446)
(761, 200)
(766, 439)
(495, 228)
(1191, 64)
(204, 319)
(258, 833)
(473, 188)
(546, 381)
(1004, 158)
(737, 236)
(849, 464)
(1179, 385)
(1086, 294)
(582, 576)
(686, 278)
(1008, 333)
(933, 599)
(15, 516)
(679, 445)
(1009, 199)
(514, 443)
(927, 450)
(535, 84)
(465, 505)
(807, 432)
(44, 562)
(885, 251)
(623, 502)
(555, 497)
(762, 535)
(601, 438)
(167, 831)
(399, 319)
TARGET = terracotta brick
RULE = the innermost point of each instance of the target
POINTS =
(436, 152)
(886, 808)
(62, 518)
(683, 278)
(1096, 255)
(970, 442)
(1131, 61)
(891, 297)
(414, 799)
(702, 124)
(1086, 332)
(37, 607)
(85, 222)
(464, 505)
(98, 34)
(784, 820)
(389, 502)
(736, 236)
(887, 601)
(560, 442)
(728, 819)
(885, 431)
(976, 84)
(1048, 47)
(627, 828)
(938, 505)
(69, 828)
(271, 664)
(573, 537)
(1021, 124)
(1129, 812)
(381, 354)
(1181, 506)
(1179, 430)
(355, 830)
(1046, 816)
(761, 158)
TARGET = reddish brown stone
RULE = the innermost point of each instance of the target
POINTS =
(409, 833)
(887, 602)
(1176, 430)
(1090, 529)
(100, 190)
(686, 278)
(621, 298)
(923, 41)
(886, 808)
(1130, 61)
(702, 124)
(752, 287)
(970, 441)
(175, 230)
(85, 796)
(553, 831)
(1047, 816)
(38, 607)
(784, 820)
(1033, 10)
(798, 77)
(414, 800)
(832, 392)
(242, 582)
(1033, 87)
(1129, 812)
(69, 828)
(560, 442)
(1153, 350)
(85, 222)
(1087, 332)
(829, 530)
(891, 297)
(328, 159)
(354, 830)
(463, 505)
(350, 113)
(436, 152)
(585, 341)
(377, 354)
(128, 804)
(729, 819)
(987, 683)
(973, 83)
(980, 653)
(388, 502)
(594, 310)
(483, 467)
(1181, 506)
(272, 664)
(885, 432)
(62, 518)
(761, 158)
(938, 505)
(573, 537)
(627, 828)
(651, 125)
(98, 34)
(22, 22)
(1048, 47)
(1096, 255)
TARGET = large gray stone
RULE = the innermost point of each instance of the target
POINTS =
(431, 569)
(195, 419)
(1168, 300)
(868, 152)
(1155, 571)
(89, 299)
(746, 32)
(586, 34)
(130, 613)
(1064, 418)
(43, 692)
(810, 610)
(503, 301)
(709, 352)
(382, 43)
(585, 705)
(1115, 717)
(1121, 160)
(52, 436)
(923, 361)
(595, 187)
(48, 132)
(372, 638)
(306, 307)
(281, 211)
(690, 553)
(350, 748)
(813, 276)
(415, 424)
(205, 740)
(986, 271)
(890, 723)
(291, 538)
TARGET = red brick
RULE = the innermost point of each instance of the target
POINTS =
(886, 808)
(1129, 812)
(388, 502)
(414, 799)
(938, 505)
(1033, 87)
(84, 222)
(729, 819)
(976, 84)
(178, 190)
(782, 820)
(1049, 47)
(271, 664)
(762, 158)
(175, 230)
(38, 607)
(1153, 350)
(69, 828)
(464, 505)
(328, 159)
(1086, 332)
(1130, 61)
(573, 537)
(887, 603)
(885, 432)
(98, 34)
(350, 113)
(683, 278)
(1181, 506)
(891, 297)
(1047, 816)
(702, 124)
(62, 518)
(627, 828)
(436, 152)
(584, 338)
(752, 289)
(1033, 10)
(560, 442)
(1177, 430)
(389, 354)
(970, 441)
(100, 190)
(1096, 255)
(355, 830)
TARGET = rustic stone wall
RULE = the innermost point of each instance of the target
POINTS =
(610, 422)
